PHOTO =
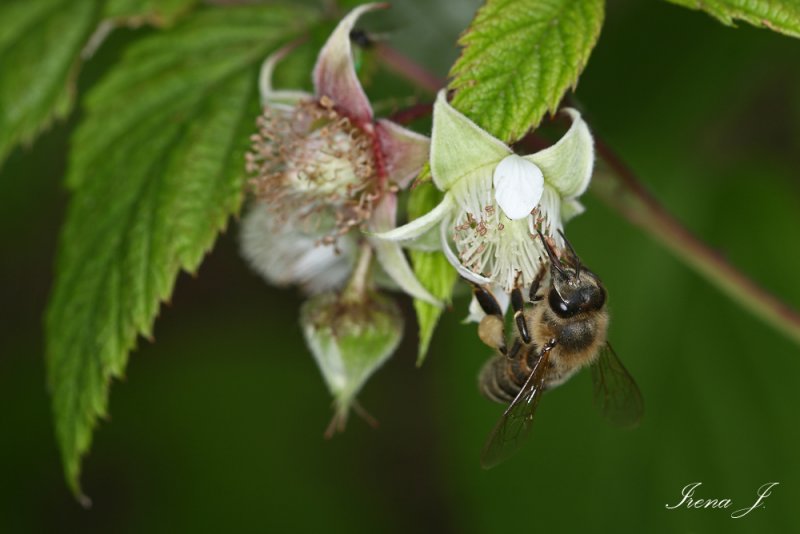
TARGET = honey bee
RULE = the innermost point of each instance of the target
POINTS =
(560, 330)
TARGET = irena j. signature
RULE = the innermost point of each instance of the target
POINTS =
(689, 500)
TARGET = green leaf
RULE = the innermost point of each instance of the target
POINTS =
(782, 16)
(431, 268)
(40, 48)
(156, 12)
(519, 58)
(157, 169)
(439, 278)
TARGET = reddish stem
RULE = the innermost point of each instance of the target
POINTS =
(406, 68)
(627, 195)
(411, 113)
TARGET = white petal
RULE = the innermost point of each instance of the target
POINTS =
(322, 268)
(459, 146)
(518, 185)
(567, 165)
(284, 256)
(455, 262)
(418, 227)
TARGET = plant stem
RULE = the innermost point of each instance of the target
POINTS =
(624, 192)
(357, 285)
(403, 66)
(412, 113)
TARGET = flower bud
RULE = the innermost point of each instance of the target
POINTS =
(350, 338)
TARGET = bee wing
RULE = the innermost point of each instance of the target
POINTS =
(616, 394)
(514, 426)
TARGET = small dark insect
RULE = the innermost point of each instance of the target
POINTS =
(561, 329)
(361, 38)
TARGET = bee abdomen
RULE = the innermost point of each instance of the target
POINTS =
(495, 382)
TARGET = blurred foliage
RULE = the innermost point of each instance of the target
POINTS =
(156, 172)
(779, 15)
(158, 12)
(41, 43)
(219, 424)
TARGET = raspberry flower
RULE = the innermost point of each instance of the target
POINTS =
(495, 200)
(325, 176)
(324, 168)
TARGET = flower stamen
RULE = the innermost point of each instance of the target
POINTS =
(311, 160)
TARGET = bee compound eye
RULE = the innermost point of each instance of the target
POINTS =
(561, 307)
(592, 298)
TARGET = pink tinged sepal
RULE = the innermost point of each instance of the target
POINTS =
(390, 254)
(335, 74)
(277, 97)
(405, 151)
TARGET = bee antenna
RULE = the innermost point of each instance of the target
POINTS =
(572, 252)
(555, 262)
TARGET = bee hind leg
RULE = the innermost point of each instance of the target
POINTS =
(491, 329)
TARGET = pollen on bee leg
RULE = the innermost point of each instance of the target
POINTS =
(490, 331)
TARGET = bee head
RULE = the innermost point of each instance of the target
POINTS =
(574, 288)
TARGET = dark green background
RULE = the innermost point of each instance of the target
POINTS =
(218, 425)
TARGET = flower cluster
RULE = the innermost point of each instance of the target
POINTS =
(325, 174)
(325, 180)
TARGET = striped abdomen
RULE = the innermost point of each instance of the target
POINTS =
(502, 377)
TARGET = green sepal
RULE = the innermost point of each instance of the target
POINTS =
(431, 268)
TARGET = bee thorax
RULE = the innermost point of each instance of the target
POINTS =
(578, 336)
